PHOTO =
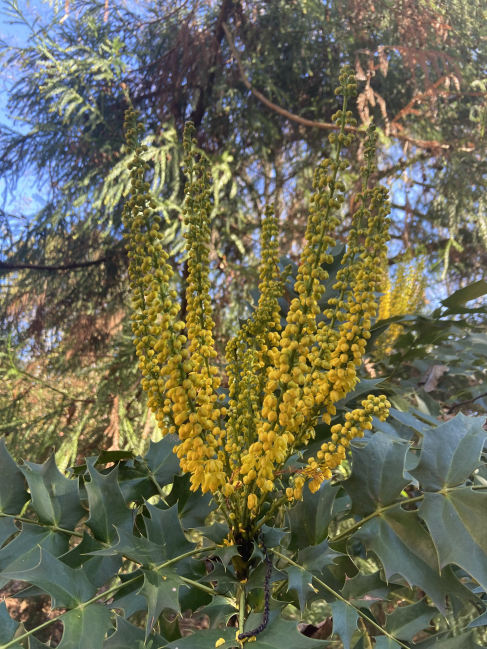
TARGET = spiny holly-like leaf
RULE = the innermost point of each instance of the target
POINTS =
(224, 578)
(257, 576)
(301, 581)
(23, 552)
(377, 473)
(8, 626)
(170, 629)
(7, 529)
(225, 553)
(365, 590)
(55, 498)
(383, 642)
(457, 523)
(127, 597)
(34, 643)
(66, 586)
(219, 611)
(85, 628)
(309, 519)
(280, 634)
(450, 453)
(128, 636)
(13, 494)
(316, 557)
(137, 548)
(404, 547)
(161, 589)
(407, 621)
(344, 621)
(206, 639)
(193, 506)
(164, 528)
(98, 569)
(462, 641)
(107, 505)
(193, 598)
(479, 621)
(216, 532)
(273, 535)
(161, 461)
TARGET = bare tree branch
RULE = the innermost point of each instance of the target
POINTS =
(424, 144)
(5, 265)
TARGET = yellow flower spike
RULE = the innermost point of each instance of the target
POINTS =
(281, 380)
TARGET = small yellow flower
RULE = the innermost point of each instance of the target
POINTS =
(219, 642)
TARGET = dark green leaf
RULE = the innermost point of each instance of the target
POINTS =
(13, 494)
(8, 626)
(7, 529)
(463, 295)
(127, 597)
(193, 506)
(316, 557)
(462, 641)
(66, 586)
(280, 634)
(219, 611)
(98, 569)
(193, 598)
(365, 590)
(107, 457)
(137, 548)
(23, 552)
(216, 532)
(309, 519)
(55, 498)
(225, 553)
(85, 628)
(301, 581)
(257, 576)
(161, 461)
(107, 505)
(344, 621)
(272, 535)
(407, 621)
(366, 386)
(34, 643)
(450, 453)
(128, 636)
(170, 629)
(161, 589)
(224, 578)
(457, 522)
(206, 639)
(164, 528)
(383, 642)
(405, 548)
(479, 621)
(377, 473)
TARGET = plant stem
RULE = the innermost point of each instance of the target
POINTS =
(381, 510)
(241, 610)
(342, 599)
(113, 589)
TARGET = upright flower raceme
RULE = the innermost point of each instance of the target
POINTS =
(282, 380)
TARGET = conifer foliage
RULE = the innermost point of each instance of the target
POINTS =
(297, 493)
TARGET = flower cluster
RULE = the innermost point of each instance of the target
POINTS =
(404, 296)
(283, 376)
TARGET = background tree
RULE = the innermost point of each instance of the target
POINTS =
(256, 78)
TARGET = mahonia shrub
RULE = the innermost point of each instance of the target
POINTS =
(286, 489)
(282, 380)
